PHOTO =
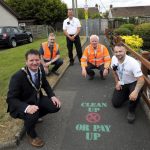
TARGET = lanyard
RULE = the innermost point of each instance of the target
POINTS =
(120, 73)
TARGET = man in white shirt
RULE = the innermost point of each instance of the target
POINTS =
(129, 81)
(71, 28)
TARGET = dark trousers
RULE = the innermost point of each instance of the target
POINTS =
(57, 64)
(45, 106)
(119, 97)
(70, 48)
(90, 70)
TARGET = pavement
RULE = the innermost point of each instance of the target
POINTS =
(87, 120)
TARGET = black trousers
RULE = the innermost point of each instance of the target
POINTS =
(121, 96)
(90, 70)
(45, 106)
(57, 64)
(70, 48)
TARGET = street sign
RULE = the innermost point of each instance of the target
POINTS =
(86, 14)
(85, 7)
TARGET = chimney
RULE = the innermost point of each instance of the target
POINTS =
(111, 6)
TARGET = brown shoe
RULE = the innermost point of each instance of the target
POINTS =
(37, 142)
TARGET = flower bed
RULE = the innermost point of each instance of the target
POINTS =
(134, 41)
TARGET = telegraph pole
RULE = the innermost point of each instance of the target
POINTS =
(76, 7)
(73, 6)
(86, 18)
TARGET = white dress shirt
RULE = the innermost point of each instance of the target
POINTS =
(71, 25)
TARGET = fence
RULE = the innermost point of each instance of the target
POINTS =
(39, 30)
(144, 58)
(95, 26)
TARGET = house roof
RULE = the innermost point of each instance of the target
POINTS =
(93, 10)
(3, 4)
(135, 11)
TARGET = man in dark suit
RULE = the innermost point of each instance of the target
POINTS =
(25, 99)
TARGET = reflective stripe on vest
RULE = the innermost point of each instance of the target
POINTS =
(47, 52)
(94, 60)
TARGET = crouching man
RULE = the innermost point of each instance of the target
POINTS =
(129, 81)
(25, 98)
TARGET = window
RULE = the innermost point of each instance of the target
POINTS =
(14, 30)
(7, 30)
(0, 30)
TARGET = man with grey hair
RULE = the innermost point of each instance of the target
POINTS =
(50, 55)
(95, 56)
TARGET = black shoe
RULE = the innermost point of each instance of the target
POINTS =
(40, 120)
(71, 63)
(55, 73)
(91, 77)
(101, 76)
(131, 117)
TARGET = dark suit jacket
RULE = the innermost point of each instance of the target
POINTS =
(21, 93)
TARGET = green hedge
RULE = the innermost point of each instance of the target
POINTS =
(122, 31)
(129, 26)
(143, 30)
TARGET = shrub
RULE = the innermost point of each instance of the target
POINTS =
(133, 41)
(143, 30)
(122, 31)
(129, 26)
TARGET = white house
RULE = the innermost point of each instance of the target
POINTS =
(7, 16)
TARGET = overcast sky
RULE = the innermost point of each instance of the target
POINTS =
(104, 4)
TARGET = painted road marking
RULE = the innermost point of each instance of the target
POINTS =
(93, 117)
(92, 129)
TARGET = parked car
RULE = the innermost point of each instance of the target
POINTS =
(11, 36)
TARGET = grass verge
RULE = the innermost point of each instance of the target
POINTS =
(12, 60)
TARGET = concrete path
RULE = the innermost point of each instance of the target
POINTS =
(87, 120)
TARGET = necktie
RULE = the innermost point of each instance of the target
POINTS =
(36, 79)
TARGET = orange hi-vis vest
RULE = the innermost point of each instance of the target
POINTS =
(96, 57)
(47, 52)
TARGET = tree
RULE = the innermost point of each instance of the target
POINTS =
(43, 11)
(105, 14)
(81, 14)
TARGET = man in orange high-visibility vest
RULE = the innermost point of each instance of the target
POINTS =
(50, 55)
(95, 56)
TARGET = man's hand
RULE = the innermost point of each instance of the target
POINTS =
(118, 86)
(71, 38)
(105, 72)
(49, 63)
(31, 109)
(140, 82)
(133, 96)
(56, 101)
(84, 73)
(46, 64)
